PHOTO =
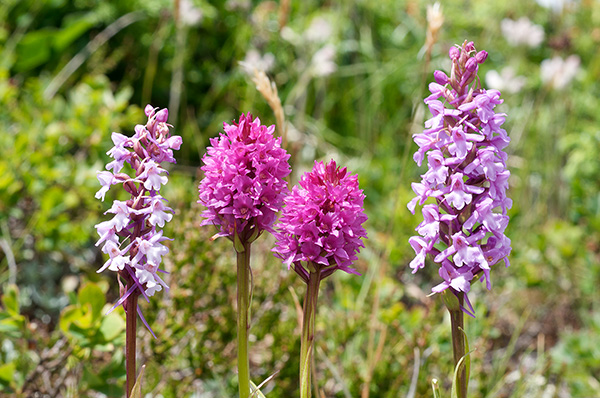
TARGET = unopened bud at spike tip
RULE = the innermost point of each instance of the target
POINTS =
(481, 57)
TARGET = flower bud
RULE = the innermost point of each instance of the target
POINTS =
(162, 115)
(481, 56)
(471, 65)
(454, 53)
(440, 77)
(149, 110)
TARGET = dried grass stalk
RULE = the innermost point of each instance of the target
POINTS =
(268, 90)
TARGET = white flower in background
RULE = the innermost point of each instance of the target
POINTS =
(555, 5)
(319, 31)
(522, 31)
(506, 80)
(238, 5)
(254, 61)
(558, 72)
(288, 34)
(189, 14)
(323, 63)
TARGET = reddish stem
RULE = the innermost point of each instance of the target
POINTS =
(130, 337)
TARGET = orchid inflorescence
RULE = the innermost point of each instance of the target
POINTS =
(467, 177)
(321, 222)
(244, 179)
(243, 190)
(132, 238)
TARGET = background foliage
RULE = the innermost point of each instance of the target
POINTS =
(351, 76)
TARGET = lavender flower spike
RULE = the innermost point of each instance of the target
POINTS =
(467, 177)
(132, 238)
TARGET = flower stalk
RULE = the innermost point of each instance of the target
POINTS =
(309, 311)
(243, 319)
(457, 317)
(130, 339)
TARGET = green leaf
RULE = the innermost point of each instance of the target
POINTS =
(68, 315)
(457, 370)
(255, 391)
(110, 390)
(67, 35)
(12, 326)
(451, 301)
(34, 49)
(91, 294)
(137, 387)
(305, 384)
(112, 325)
(91, 377)
(468, 357)
(7, 372)
(10, 299)
(80, 333)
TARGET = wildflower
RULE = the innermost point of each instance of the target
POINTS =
(132, 238)
(466, 177)
(319, 31)
(558, 72)
(320, 231)
(244, 179)
(242, 189)
(254, 61)
(555, 5)
(506, 80)
(323, 63)
(189, 14)
(522, 31)
(322, 221)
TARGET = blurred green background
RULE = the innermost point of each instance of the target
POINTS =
(351, 76)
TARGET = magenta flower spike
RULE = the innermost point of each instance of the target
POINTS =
(244, 179)
(132, 238)
(320, 231)
(243, 189)
(467, 177)
(322, 222)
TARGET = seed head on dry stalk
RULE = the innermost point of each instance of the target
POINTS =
(435, 20)
(268, 90)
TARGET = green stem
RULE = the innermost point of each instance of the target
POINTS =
(243, 321)
(130, 338)
(308, 332)
(458, 344)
